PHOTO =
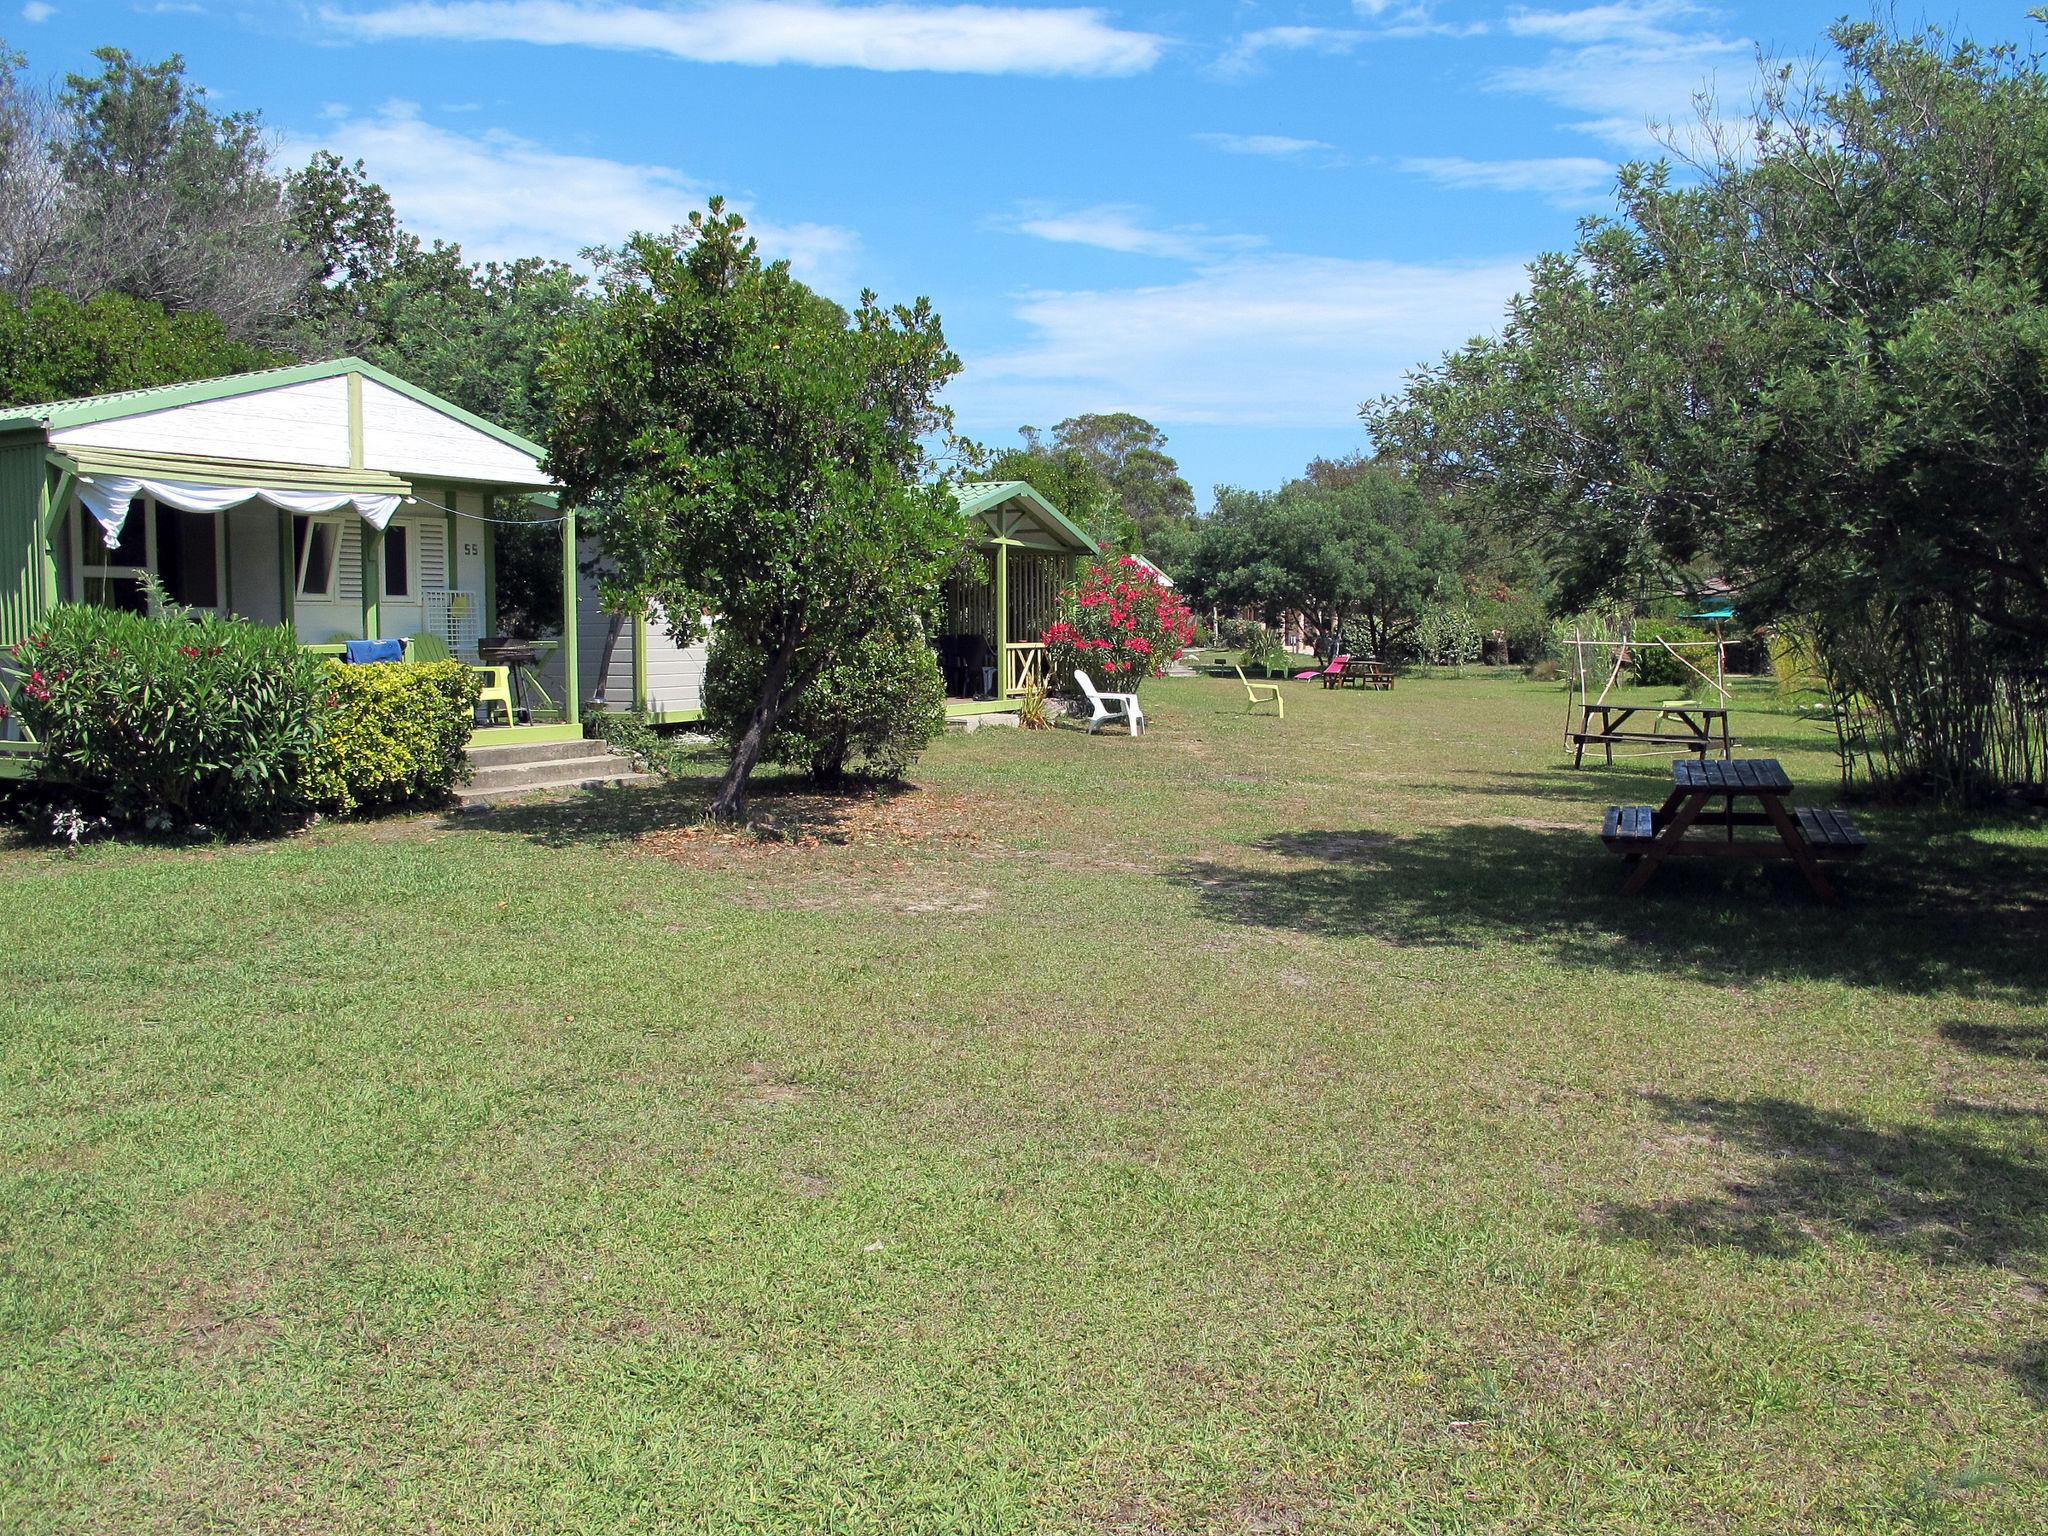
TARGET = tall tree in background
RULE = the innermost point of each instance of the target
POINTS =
(1131, 454)
(174, 203)
(750, 449)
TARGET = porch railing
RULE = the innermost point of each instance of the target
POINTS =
(1023, 668)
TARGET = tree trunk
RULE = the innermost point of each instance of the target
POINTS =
(730, 803)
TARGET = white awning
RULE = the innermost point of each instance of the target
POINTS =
(108, 481)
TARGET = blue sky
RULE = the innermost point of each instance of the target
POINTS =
(1239, 218)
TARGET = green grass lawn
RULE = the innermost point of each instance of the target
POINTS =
(1256, 1127)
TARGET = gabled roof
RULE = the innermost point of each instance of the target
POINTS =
(977, 497)
(88, 409)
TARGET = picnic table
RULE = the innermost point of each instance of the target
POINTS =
(1365, 672)
(1681, 723)
(1685, 827)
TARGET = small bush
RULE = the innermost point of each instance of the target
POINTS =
(1120, 625)
(1238, 634)
(171, 721)
(1263, 650)
(1654, 667)
(1448, 636)
(395, 732)
(867, 716)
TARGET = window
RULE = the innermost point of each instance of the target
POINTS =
(187, 557)
(316, 546)
(398, 561)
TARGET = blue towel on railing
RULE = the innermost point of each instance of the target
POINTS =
(360, 651)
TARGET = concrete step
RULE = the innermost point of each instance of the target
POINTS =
(519, 775)
(516, 753)
(477, 795)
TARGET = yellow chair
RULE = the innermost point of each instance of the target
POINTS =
(1261, 693)
(497, 689)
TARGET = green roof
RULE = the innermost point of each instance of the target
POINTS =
(979, 496)
(88, 409)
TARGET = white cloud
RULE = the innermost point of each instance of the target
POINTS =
(958, 38)
(501, 196)
(1250, 49)
(36, 10)
(1627, 66)
(1571, 180)
(1121, 228)
(1247, 338)
(1273, 146)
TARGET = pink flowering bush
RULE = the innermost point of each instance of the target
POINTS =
(1121, 626)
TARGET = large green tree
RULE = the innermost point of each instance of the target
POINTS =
(1369, 547)
(1131, 455)
(1817, 365)
(751, 450)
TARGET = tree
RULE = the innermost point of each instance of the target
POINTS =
(174, 203)
(1370, 547)
(33, 196)
(1817, 368)
(1074, 483)
(1131, 455)
(52, 347)
(751, 450)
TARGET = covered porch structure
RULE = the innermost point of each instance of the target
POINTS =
(1021, 553)
(332, 497)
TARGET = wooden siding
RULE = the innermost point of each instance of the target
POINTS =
(407, 438)
(675, 673)
(22, 483)
(295, 424)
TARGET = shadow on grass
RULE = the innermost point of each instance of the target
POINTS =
(1966, 927)
(1940, 1193)
(2019, 1042)
(788, 809)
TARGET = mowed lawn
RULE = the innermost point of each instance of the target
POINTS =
(1258, 1127)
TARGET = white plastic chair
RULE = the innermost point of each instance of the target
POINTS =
(1110, 706)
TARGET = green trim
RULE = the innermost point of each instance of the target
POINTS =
(1002, 620)
(640, 660)
(287, 569)
(490, 543)
(571, 683)
(255, 473)
(454, 537)
(372, 544)
(355, 420)
(958, 707)
(523, 735)
(980, 497)
(144, 402)
(674, 716)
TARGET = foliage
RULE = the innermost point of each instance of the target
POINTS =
(1654, 667)
(55, 348)
(393, 732)
(172, 720)
(1031, 711)
(867, 715)
(752, 450)
(1368, 547)
(635, 734)
(1807, 365)
(1448, 636)
(1262, 650)
(1234, 634)
(1121, 625)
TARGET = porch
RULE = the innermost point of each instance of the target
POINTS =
(1003, 596)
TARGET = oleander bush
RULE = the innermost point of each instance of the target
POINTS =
(169, 721)
(1120, 625)
(394, 733)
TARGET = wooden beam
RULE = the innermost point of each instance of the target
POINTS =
(572, 710)
(373, 578)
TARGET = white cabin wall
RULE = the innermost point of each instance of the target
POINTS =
(675, 673)
(292, 424)
(408, 438)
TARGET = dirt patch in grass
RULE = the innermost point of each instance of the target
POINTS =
(790, 822)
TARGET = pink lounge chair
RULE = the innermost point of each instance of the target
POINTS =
(1333, 674)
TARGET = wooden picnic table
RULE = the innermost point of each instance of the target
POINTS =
(1366, 672)
(1699, 728)
(1646, 836)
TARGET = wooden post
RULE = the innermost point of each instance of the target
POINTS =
(373, 578)
(490, 543)
(1002, 618)
(572, 710)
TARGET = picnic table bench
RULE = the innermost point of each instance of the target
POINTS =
(1682, 723)
(1364, 671)
(1648, 835)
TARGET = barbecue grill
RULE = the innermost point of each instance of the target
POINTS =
(519, 658)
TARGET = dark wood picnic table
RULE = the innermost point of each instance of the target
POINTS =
(1685, 825)
(1696, 728)
(1365, 671)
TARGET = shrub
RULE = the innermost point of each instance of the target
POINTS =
(1448, 636)
(1261, 651)
(1238, 634)
(1121, 625)
(867, 715)
(395, 732)
(171, 720)
(1654, 667)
